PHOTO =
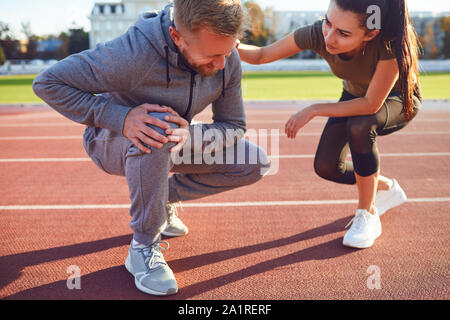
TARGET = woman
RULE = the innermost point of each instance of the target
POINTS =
(374, 49)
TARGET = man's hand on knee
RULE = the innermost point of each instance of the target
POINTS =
(136, 130)
(178, 135)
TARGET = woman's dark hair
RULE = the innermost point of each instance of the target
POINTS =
(399, 36)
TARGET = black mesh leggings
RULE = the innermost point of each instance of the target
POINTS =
(358, 136)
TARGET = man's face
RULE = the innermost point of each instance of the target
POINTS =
(205, 51)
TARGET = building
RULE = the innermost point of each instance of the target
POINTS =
(111, 19)
(284, 22)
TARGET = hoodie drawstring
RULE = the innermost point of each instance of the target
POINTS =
(223, 82)
(167, 66)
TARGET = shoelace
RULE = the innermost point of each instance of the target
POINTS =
(359, 220)
(153, 254)
(172, 211)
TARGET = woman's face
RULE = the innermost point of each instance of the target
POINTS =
(343, 32)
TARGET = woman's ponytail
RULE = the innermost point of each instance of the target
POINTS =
(402, 38)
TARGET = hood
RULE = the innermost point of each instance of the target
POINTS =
(155, 27)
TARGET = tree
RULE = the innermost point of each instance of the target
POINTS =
(63, 50)
(2, 56)
(32, 41)
(428, 41)
(445, 26)
(26, 29)
(78, 41)
(256, 34)
(5, 31)
(11, 49)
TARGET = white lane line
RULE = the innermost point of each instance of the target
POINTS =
(33, 116)
(72, 123)
(323, 121)
(45, 160)
(383, 155)
(249, 134)
(207, 205)
(288, 156)
(41, 138)
(40, 124)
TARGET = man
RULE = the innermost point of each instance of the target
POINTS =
(120, 90)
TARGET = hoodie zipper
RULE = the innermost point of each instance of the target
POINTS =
(193, 84)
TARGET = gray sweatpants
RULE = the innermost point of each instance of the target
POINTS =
(148, 176)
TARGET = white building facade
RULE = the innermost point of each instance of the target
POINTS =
(284, 22)
(111, 19)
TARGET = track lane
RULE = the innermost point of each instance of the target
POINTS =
(293, 253)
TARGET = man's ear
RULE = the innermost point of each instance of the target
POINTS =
(175, 35)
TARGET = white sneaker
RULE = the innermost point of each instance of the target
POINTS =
(175, 227)
(388, 199)
(151, 273)
(365, 229)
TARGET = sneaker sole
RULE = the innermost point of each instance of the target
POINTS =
(361, 245)
(145, 289)
(171, 234)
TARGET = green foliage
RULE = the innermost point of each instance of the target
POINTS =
(2, 56)
(445, 26)
(78, 41)
(256, 33)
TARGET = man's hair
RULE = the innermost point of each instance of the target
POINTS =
(223, 17)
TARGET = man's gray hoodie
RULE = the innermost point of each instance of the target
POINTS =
(99, 87)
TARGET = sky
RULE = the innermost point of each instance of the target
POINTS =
(53, 16)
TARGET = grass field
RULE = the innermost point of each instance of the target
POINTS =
(255, 86)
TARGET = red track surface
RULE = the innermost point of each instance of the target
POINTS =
(261, 251)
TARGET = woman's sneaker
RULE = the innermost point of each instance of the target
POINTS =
(388, 199)
(151, 273)
(365, 229)
(175, 227)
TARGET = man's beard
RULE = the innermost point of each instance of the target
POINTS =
(203, 70)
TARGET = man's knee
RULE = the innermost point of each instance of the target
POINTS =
(257, 164)
(160, 116)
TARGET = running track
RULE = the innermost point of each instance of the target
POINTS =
(277, 239)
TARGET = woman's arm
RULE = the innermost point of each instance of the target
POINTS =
(381, 85)
(283, 48)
